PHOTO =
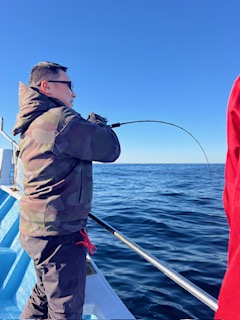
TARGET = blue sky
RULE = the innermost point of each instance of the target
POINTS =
(169, 60)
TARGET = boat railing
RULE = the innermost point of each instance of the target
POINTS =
(7, 136)
(200, 294)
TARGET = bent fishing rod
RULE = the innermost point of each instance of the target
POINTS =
(118, 124)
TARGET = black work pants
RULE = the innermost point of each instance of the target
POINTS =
(61, 275)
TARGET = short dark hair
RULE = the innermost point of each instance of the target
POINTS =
(45, 71)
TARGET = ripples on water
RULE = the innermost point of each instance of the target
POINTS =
(175, 213)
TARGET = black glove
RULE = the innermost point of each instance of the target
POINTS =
(93, 117)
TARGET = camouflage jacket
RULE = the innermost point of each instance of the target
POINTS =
(57, 147)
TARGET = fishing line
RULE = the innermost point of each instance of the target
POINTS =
(118, 124)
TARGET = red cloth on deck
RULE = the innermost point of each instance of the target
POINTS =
(229, 297)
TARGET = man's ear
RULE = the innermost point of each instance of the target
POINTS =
(45, 89)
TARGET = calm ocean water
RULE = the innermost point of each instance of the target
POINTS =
(173, 211)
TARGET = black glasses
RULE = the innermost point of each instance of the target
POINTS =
(69, 83)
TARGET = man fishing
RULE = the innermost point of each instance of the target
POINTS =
(57, 147)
